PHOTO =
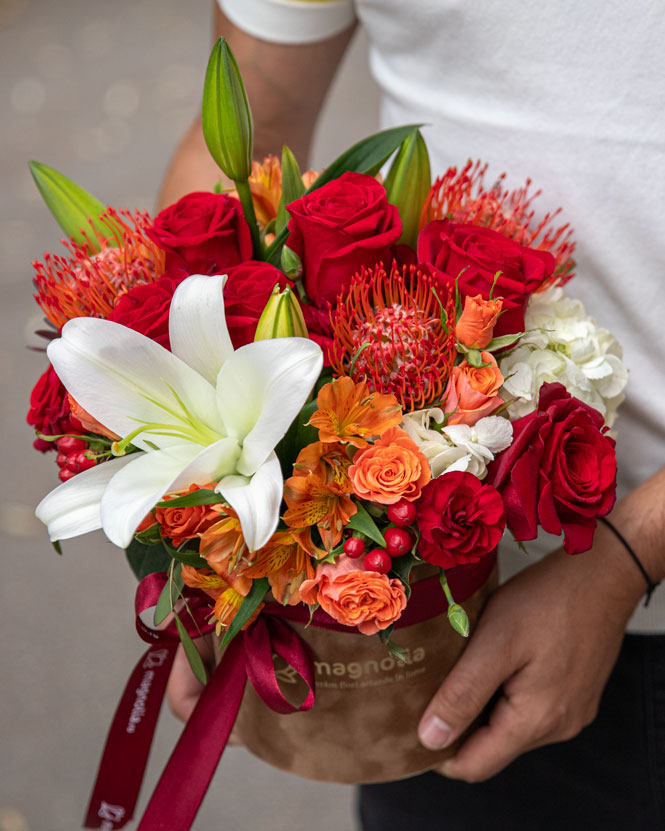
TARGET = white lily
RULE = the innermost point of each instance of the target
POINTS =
(200, 413)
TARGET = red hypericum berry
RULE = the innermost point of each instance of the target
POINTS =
(402, 513)
(377, 560)
(70, 444)
(398, 541)
(61, 459)
(66, 473)
(80, 461)
(354, 547)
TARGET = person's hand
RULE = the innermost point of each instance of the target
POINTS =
(548, 639)
(183, 689)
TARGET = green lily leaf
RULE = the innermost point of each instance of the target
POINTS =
(185, 556)
(170, 593)
(146, 559)
(202, 496)
(247, 608)
(74, 209)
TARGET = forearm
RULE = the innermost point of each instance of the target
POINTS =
(286, 86)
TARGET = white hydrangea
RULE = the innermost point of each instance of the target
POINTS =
(568, 346)
(458, 446)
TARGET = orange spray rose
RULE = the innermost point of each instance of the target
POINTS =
(472, 393)
(476, 324)
(366, 599)
(185, 523)
(389, 470)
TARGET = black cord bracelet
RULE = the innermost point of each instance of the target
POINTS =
(651, 586)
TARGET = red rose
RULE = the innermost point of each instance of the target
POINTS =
(145, 308)
(204, 233)
(49, 410)
(473, 255)
(559, 472)
(340, 228)
(460, 519)
(246, 293)
(319, 326)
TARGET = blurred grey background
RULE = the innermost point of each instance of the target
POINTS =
(102, 92)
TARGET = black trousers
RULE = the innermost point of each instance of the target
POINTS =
(609, 778)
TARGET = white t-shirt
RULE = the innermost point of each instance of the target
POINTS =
(570, 94)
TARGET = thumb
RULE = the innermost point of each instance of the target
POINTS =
(468, 687)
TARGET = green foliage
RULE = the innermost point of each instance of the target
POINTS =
(146, 559)
(170, 593)
(74, 209)
(249, 605)
(408, 183)
(202, 496)
(363, 522)
(396, 651)
(191, 652)
(401, 568)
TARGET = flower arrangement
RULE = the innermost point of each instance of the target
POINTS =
(298, 391)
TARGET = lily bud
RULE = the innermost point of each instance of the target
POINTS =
(282, 317)
(225, 115)
(408, 183)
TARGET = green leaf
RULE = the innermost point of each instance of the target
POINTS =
(292, 187)
(185, 556)
(151, 535)
(192, 653)
(146, 559)
(170, 593)
(503, 341)
(226, 117)
(366, 156)
(299, 435)
(363, 522)
(396, 651)
(401, 567)
(247, 608)
(56, 545)
(74, 209)
(202, 496)
(408, 183)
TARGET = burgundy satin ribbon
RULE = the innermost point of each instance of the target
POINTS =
(187, 775)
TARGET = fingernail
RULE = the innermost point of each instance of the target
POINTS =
(435, 733)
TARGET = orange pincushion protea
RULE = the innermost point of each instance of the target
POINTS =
(87, 284)
(400, 334)
(462, 197)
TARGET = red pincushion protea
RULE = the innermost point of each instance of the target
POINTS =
(399, 332)
(86, 284)
(462, 197)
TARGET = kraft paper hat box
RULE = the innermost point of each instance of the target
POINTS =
(363, 726)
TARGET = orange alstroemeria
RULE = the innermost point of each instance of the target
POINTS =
(223, 544)
(227, 591)
(329, 462)
(89, 422)
(349, 412)
(265, 184)
(285, 564)
(311, 501)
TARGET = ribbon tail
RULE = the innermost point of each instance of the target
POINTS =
(127, 748)
(182, 786)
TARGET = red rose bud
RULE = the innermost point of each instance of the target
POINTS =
(70, 444)
(80, 460)
(377, 560)
(402, 513)
(559, 472)
(460, 519)
(354, 547)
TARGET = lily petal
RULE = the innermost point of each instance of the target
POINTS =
(197, 325)
(261, 388)
(256, 502)
(73, 508)
(113, 372)
(136, 489)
